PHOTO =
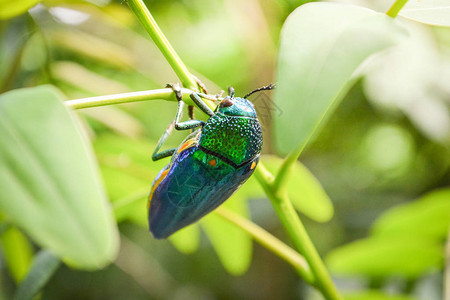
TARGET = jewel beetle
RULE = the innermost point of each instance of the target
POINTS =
(209, 165)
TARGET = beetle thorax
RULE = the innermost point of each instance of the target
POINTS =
(233, 138)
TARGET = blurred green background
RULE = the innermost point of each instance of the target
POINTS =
(387, 143)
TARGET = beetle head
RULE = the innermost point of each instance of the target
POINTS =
(238, 107)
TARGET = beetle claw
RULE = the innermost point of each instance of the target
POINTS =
(176, 89)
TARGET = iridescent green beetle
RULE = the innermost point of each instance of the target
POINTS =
(208, 166)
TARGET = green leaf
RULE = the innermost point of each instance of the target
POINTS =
(380, 257)
(49, 183)
(322, 45)
(232, 245)
(120, 184)
(128, 154)
(128, 172)
(131, 157)
(375, 295)
(433, 12)
(17, 251)
(132, 207)
(12, 8)
(85, 44)
(304, 190)
(44, 266)
(429, 216)
(187, 239)
(251, 189)
(404, 75)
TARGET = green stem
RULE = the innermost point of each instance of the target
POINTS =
(143, 14)
(446, 276)
(270, 242)
(297, 232)
(395, 8)
(264, 174)
(160, 94)
(285, 171)
(304, 245)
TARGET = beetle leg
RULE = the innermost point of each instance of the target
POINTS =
(215, 98)
(175, 123)
(179, 126)
(202, 87)
(219, 94)
(200, 84)
(157, 156)
(197, 98)
(191, 112)
(190, 124)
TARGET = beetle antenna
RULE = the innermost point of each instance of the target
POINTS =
(231, 91)
(264, 88)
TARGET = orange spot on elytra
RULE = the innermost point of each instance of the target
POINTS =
(253, 166)
(163, 175)
(212, 162)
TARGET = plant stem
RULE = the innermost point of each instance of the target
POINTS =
(270, 242)
(264, 174)
(143, 14)
(395, 8)
(303, 243)
(285, 171)
(446, 291)
(297, 232)
(160, 94)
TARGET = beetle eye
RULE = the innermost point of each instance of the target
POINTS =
(226, 102)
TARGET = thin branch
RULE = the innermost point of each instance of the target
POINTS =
(145, 17)
(395, 8)
(280, 182)
(299, 236)
(160, 94)
(270, 242)
(447, 268)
